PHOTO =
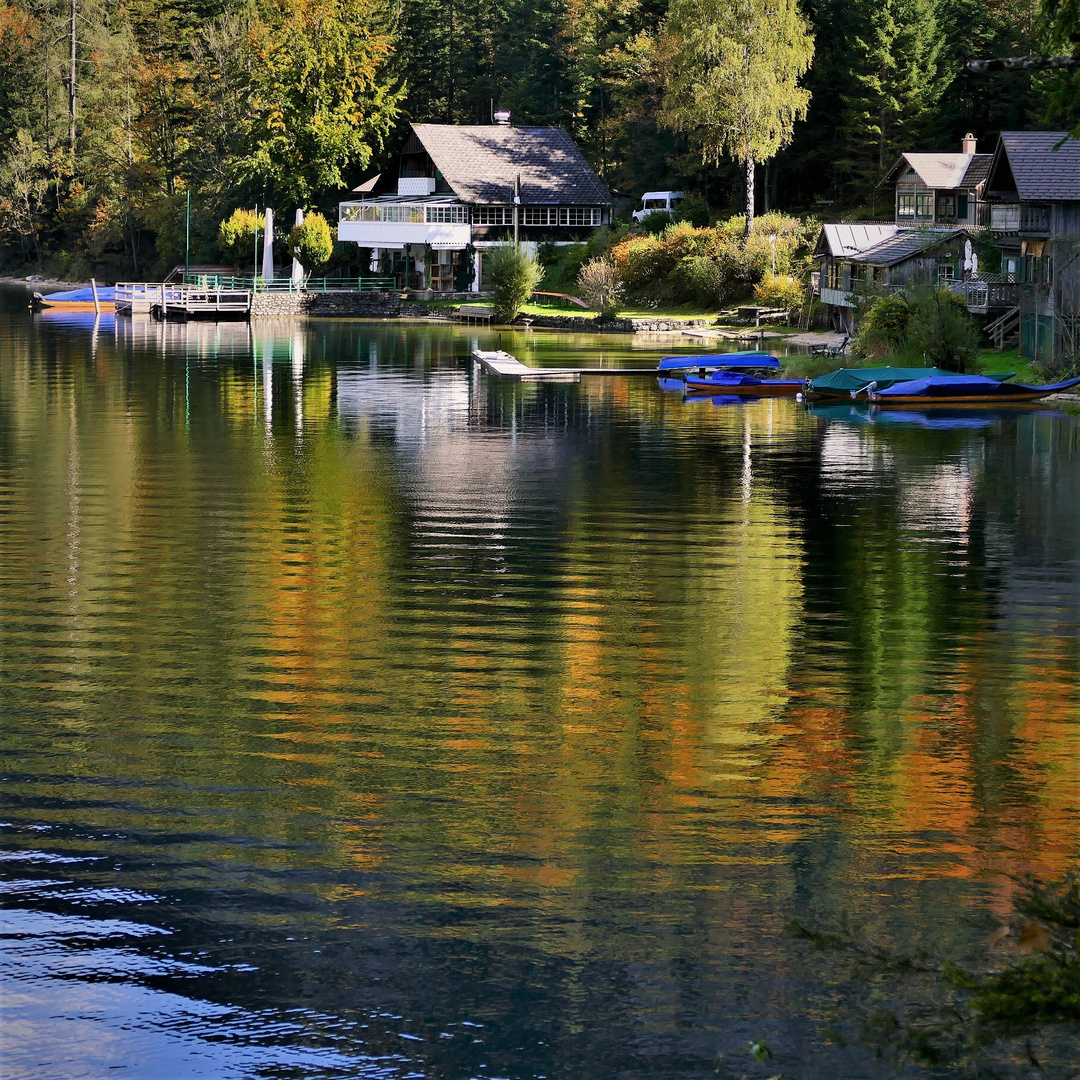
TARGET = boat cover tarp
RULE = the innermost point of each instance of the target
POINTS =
(844, 380)
(960, 386)
(106, 295)
(726, 360)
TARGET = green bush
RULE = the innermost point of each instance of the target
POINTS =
(693, 209)
(655, 222)
(513, 276)
(700, 279)
(883, 329)
(237, 235)
(599, 284)
(561, 265)
(311, 244)
(943, 331)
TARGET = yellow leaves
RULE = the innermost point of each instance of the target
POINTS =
(1033, 938)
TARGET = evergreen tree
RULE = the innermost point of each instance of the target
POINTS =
(733, 69)
(898, 82)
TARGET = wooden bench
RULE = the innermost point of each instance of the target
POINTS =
(476, 314)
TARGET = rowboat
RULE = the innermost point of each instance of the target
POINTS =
(703, 362)
(961, 390)
(77, 299)
(734, 382)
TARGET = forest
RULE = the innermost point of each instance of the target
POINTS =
(114, 117)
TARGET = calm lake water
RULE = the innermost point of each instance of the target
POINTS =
(363, 717)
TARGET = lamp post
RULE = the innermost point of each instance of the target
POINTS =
(772, 243)
(187, 236)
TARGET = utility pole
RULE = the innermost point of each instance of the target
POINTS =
(187, 236)
(72, 83)
(517, 206)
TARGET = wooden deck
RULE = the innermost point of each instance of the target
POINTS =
(504, 366)
(180, 301)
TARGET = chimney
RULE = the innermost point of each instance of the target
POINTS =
(968, 144)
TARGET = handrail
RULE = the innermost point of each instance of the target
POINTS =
(287, 284)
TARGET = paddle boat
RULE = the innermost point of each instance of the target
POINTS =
(736, 382)
(76, 299)
(961, 390)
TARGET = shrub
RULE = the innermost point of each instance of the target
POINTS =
(883, 329)
(693, 209)
(561, 272)
(237, 235)
(513, 276)
(311, 244)
(780, 291)
(599, 284)
(655, 222)
(943, 331)
(700, 278)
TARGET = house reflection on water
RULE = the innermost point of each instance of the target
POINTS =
(569, 694)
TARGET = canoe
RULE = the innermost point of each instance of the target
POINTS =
(961, 390)
(714, 361)
(731, 382)
(77, 299)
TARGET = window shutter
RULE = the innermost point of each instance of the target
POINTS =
(962, 206)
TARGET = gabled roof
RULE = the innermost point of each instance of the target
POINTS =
(480, 164)
(1040, 167)
(903, 245)
(943, 171)
(843, 238)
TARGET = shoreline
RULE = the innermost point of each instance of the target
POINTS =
(44, 283)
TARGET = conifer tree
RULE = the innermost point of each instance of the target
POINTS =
(898, 81)
(733, 70)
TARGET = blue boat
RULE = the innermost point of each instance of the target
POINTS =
(747, 361)
(736, 382)
(938, 389)
(77, 299)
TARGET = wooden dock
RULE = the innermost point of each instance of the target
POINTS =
(180, 301)
(504, 366)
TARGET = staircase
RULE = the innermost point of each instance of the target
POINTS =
(1004, 331)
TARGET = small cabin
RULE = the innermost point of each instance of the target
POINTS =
(944, 189)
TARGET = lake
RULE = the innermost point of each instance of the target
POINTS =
(365, 717)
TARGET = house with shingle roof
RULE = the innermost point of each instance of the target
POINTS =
(1034, 192)
(941, 188)
(452, 192)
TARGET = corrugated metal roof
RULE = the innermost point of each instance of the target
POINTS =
(480, 163)
(846, 238)
(903, 245)
(1041, 168)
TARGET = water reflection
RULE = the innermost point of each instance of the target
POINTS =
(364, 714)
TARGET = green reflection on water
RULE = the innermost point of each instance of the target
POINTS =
(312, 628)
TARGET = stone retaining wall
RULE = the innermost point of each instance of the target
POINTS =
(591, 324)
(371, 305)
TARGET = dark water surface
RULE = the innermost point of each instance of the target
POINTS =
(362, 717)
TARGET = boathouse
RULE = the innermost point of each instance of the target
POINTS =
(1034, 193)
(452, 192)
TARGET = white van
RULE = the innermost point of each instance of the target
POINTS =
(665, 201)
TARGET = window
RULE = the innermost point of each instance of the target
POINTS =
(493, 215)
(924, 205)
(946, 206)
(579, 215)
(540, 215)
(905, 206)
(654, 204)
(455, 215)
(835, 276)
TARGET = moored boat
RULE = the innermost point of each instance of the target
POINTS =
(734, 382)
(705, 362)
(951, 389)
(77, 299)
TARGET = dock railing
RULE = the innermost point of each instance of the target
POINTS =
(286, 284)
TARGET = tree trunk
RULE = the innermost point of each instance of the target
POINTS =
(72, 84)
(749, 195)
